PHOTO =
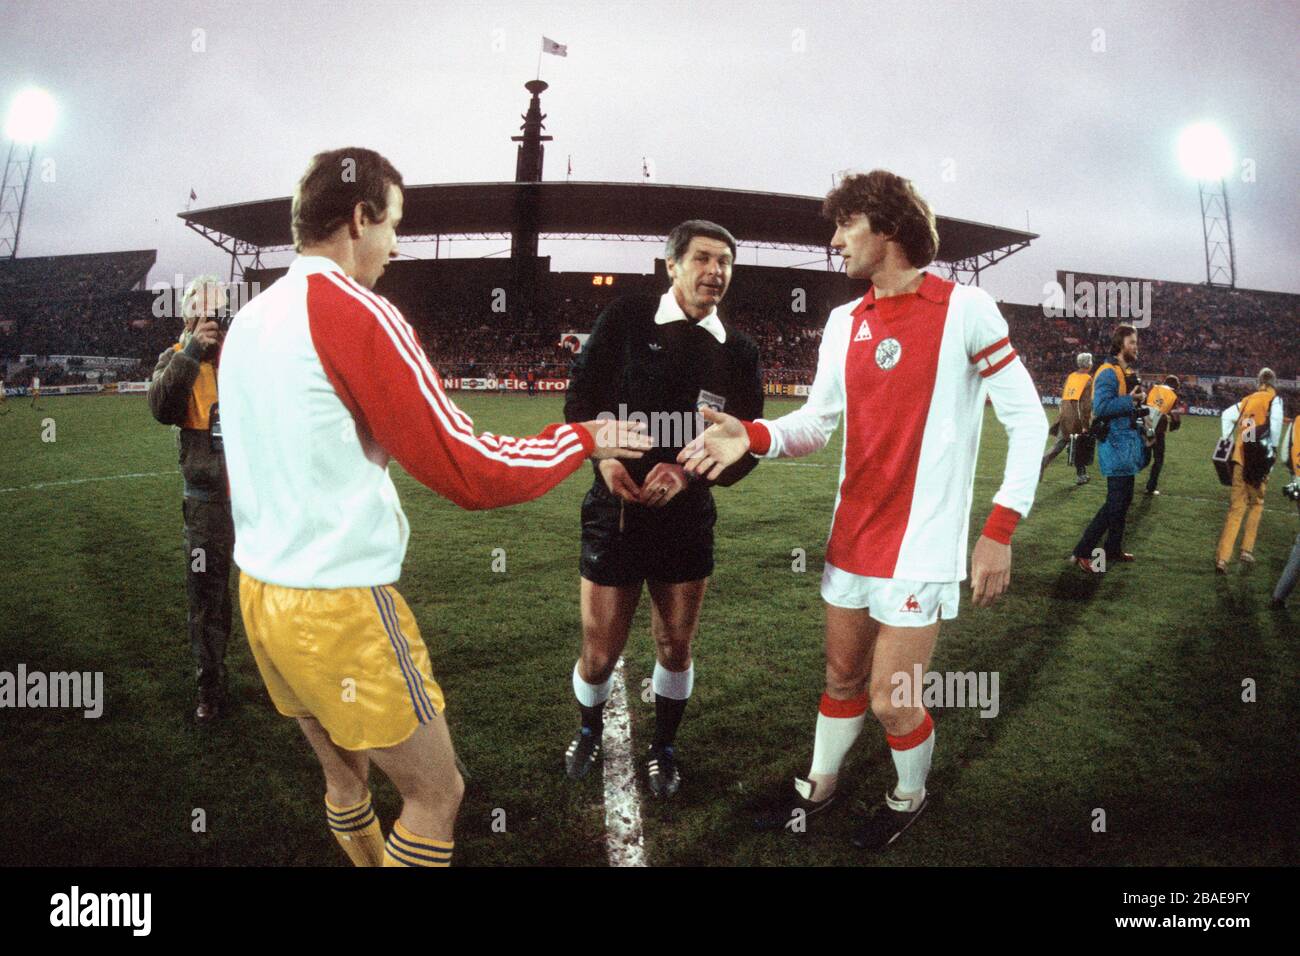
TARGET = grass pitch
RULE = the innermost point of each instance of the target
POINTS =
(1123, 695)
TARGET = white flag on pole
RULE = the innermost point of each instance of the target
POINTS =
(556, 49)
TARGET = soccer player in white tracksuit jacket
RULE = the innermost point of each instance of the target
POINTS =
(322, 382)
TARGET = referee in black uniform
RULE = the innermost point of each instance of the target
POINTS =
(645, 521)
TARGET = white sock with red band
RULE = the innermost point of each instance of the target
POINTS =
(912, 753)
(838, 724)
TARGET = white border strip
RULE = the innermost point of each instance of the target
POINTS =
(622, 805)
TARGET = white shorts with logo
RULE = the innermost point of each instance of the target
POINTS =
(892, 601)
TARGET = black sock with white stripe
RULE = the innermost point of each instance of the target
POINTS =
(672, 691)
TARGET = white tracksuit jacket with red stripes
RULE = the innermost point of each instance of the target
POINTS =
(321, 383)
(910, 374)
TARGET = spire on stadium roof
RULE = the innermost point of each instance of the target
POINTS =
(528, 164)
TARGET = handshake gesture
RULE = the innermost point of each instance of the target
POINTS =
(617, 439)
(715, 449)
(723, 443)
(623, 439)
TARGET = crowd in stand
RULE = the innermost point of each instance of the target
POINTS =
(1193, 331)
(39, 279)
(121, 324)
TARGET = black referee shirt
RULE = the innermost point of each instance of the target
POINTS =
(630, 364)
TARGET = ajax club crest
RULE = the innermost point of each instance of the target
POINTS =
(888, 353)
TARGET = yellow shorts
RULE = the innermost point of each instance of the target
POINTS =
(352, 658)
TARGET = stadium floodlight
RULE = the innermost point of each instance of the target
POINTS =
(31, 117)
(1204, 152)
(30, 121)
(1206, 155)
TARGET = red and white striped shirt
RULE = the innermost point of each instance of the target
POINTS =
(910, 373)
(322, 382)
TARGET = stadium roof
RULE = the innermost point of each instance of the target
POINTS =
(612, 211)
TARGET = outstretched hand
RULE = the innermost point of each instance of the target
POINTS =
(718, 447)
(617, 439)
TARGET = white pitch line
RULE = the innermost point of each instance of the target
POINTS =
(622, 806)
(82, 481)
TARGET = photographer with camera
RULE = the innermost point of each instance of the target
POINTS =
(1117, 398)
(183, 392)
(1072, 424)
(1162, 418)
(1291, 573)
(1255, 424)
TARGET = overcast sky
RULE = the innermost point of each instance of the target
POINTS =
(1063, 114)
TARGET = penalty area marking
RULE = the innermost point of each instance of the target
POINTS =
(623, 836)
(81, 481)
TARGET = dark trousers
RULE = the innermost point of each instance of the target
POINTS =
(1109, 519)
(1157, 460)
(209, 546)
(1062, 443)
(1290, 573)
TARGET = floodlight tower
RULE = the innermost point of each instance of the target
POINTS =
(31, 117)
(1207, 157)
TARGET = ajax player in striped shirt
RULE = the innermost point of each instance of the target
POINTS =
(322, 383)
(909, 367)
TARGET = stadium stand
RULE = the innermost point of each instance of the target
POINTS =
(59, 278)
(96, 305)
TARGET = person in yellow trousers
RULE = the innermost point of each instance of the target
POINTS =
(1256, 422)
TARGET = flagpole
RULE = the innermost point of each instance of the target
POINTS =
(539, 64)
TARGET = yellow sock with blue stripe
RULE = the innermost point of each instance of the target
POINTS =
(405, 848)
(357, 830)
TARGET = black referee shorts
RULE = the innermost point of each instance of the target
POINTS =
(669, 545)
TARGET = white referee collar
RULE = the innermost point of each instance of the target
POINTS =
(670, 311)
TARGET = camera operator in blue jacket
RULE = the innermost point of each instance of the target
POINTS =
(1117, 398)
